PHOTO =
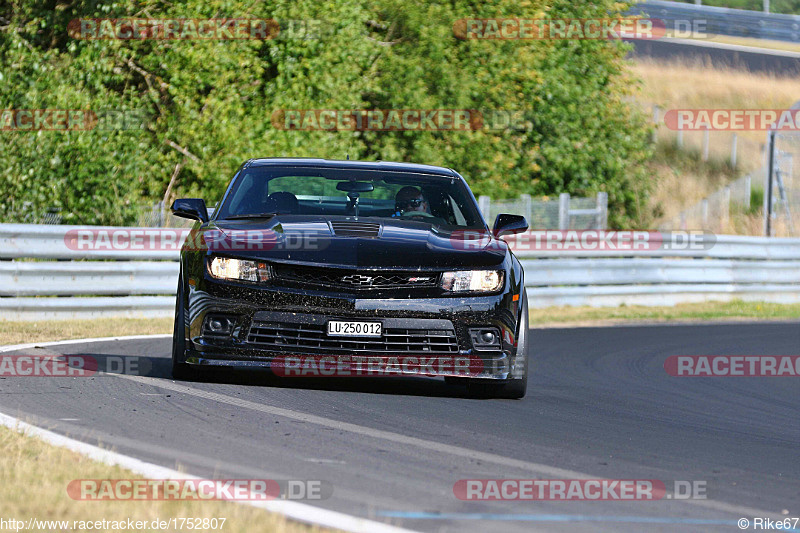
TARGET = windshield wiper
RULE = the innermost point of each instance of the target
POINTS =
(251, 215)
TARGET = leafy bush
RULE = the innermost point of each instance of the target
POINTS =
(213, 100)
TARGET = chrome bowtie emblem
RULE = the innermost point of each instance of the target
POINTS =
(357, 279)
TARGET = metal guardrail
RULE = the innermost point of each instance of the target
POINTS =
(722, 20)
(142, 282)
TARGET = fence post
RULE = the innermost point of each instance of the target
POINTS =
(704, 212)
(602, 210)
(768, 185)
(705, 144)
(766, 6)
(526, 206)
(679, 139)
(563, 211)
(484, 202)
(726, 208)
(656, 110)
(748, 191)
(734, 141)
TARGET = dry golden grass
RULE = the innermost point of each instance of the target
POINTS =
(681, 179)
(36, 475)
(56, 330)
(707, 311)
(697, 85)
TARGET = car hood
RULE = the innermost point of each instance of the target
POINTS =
(398, 244)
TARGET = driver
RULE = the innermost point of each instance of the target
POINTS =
(409, 200)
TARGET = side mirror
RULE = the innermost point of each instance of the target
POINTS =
(192, 208)
(506, 224)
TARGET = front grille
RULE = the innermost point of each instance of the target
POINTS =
(366, 230)
(312, 339)
(355, 279)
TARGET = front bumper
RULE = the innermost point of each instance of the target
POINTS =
(450, 317)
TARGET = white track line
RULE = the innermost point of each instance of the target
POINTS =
(294, 510)
(541, 469)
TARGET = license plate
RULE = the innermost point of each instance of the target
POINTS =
(354, 328)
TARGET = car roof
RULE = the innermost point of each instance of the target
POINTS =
(348, 164)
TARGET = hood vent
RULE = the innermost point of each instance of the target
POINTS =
(366, 230)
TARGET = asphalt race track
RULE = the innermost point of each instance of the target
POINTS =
(600, 405)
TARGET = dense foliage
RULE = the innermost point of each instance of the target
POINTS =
(208, 103)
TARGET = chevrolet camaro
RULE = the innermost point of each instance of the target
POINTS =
(316, 267)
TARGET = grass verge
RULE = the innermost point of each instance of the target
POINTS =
(59, 330)
(36, 476)
(708, 311)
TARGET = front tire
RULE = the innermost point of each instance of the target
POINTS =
(515, 388)
(180, 369)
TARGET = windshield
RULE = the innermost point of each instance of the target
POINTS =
(265, 191)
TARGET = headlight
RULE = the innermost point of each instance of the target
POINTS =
(239, 269)
(472, 281)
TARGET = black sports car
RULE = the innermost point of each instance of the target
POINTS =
(319, 267)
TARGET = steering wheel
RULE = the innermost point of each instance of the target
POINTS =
(423, 214)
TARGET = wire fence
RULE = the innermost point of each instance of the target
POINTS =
(564, 212)
(785, 186)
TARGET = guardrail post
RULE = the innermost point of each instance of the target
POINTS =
(484, 202)
(602, 210)
(734, 141)
(527, 206)
(563, 211)
(706, 139)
